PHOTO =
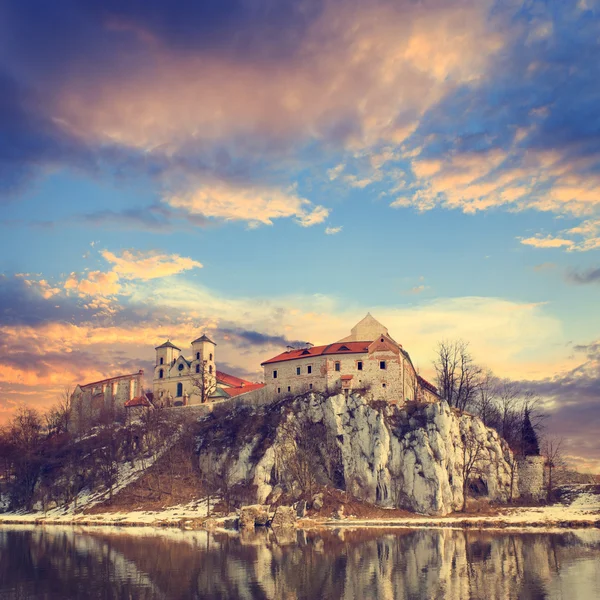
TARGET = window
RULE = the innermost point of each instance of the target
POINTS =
(337, 366)
(210, 357)
(180, 367)
(274, 374)
(197, 355)
(309, 369)
(289, 388)
(197, 368)
(298, 369)
(279, 390)
(359, 365)
(210, 369)
(161, 374)
(383, 385)
(162, 360)
(179, 390)
(382, 364)
(310, 386)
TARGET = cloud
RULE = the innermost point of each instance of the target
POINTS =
(514, 141)
(583, 277)
(128, 92)
(333, 230)
(246, 203)
(132, 264)
(94, 283)
(581, 238)
(155, 218)
(547, 242)
(572, 401)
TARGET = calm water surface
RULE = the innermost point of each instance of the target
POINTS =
(57, 562)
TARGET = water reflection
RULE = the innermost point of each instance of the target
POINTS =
(52, 563)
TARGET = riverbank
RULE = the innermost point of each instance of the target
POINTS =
(583, 510)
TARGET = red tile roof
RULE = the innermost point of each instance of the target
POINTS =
(346, 377)
(353, 348)
(236, 391)
(138, 401)
(232, 380)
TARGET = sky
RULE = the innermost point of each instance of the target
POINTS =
(268, 171)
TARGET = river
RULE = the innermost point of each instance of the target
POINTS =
(366, 564)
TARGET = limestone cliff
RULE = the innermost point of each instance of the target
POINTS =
(395, 457)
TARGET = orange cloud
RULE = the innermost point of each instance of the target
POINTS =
(259, 205)
(94, 283)
(148, 265)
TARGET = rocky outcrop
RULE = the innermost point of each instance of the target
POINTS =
(407, 457)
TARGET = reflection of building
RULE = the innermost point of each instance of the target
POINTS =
(368, 358)
(90, 400)
(179, 380)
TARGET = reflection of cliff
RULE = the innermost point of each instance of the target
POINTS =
(372, 563)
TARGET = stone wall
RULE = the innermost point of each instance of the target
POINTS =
(395, 383)
(530, 472)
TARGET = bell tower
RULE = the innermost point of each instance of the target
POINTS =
(165, 354)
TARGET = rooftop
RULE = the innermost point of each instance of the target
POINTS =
(232, 380)
(167, 344)
(203, 338)
(335, 348)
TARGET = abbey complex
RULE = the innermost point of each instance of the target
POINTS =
(368, 359)
(384, 433)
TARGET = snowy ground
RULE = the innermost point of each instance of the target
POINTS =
(171, 516)
(583, 510)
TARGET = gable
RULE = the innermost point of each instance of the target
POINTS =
(383, 343)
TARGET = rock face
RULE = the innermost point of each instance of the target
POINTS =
(395, 457)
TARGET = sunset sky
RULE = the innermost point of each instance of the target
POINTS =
(268, 171)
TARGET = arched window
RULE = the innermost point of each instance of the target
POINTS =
(210, 355)
(162, 360)
(160, 374)
(197, 368)
(197, 355)
(210, 369)
(179, 390)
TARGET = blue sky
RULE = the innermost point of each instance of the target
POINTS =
(269, 172)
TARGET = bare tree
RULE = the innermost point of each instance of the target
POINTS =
(204, 382)
(58, 418)
(486, 398)
(553, 455)
(25, 438)
(458, 376)
(473, 452)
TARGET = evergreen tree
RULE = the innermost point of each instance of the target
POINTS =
(529, 441)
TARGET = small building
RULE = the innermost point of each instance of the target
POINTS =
(138, 406)
(181, 381)
(368, 358)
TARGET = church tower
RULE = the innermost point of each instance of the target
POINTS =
(166, 354)
(203, 353)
